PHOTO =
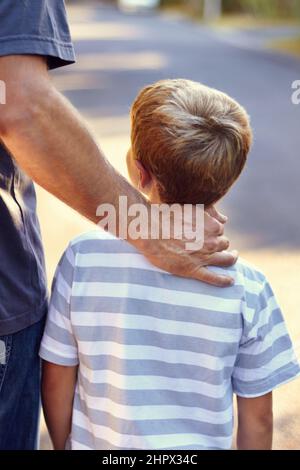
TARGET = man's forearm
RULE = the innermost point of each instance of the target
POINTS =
(50, 142)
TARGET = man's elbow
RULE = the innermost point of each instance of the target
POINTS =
(23, 107)
(25, 80)
(17, 114)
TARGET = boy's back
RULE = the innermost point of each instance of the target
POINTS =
(160, 356)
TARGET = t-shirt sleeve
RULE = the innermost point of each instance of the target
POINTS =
(58, 344)
(266, 358)
(37, 27)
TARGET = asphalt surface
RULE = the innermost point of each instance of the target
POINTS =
(117, 55)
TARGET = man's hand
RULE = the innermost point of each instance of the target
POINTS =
(171, 255)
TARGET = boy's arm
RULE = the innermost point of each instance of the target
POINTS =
(58, 386)
(255, 423)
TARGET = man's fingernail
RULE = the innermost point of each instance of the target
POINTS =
(227, 281)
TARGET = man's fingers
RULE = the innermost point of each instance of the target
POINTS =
(212, 227)
(213, 212)
(210, 277)
(224, 259)
(222, 244)
(215, 245)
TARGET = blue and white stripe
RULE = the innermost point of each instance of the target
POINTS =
(160, 356)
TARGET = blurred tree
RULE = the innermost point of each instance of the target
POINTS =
(232, 6)
(270, 8)
(209, 9)
(172, 2)
(212, 9)
(196, 6)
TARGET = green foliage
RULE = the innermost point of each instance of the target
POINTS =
(232, 6)
(272, 8)
(165, 3)
(263, 8)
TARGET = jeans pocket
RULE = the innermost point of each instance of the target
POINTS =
(5, 349)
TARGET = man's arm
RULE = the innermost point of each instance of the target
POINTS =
(58, 386)
(255, 423)
(49, 141)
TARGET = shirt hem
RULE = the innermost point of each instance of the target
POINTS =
(285, 376)
(52, 357)
(59, 53)
(13, 325)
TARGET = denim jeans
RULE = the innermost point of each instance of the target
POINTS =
(20, 388)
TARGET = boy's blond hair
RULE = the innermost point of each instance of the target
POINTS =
(193, 139)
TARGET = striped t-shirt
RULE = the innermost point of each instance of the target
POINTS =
(160, 356)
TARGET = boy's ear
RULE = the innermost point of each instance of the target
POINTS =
(145, 177)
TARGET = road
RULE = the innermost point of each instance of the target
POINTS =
(117, 55)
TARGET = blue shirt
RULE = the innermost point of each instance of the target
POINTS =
(26, 27)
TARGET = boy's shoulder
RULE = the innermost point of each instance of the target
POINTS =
(96, 234)
(251, 285)
(98, 239)
(245, 274)
(99, 248)
(250, 273)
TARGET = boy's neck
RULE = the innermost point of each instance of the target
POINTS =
(153, 196)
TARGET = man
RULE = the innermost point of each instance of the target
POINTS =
(48, 140)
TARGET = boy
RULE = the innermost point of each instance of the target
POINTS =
(136, 358)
